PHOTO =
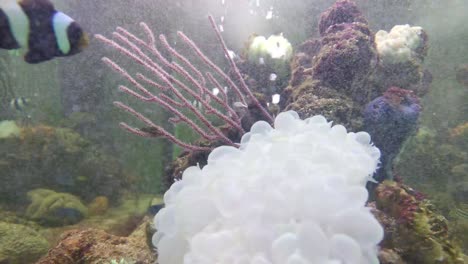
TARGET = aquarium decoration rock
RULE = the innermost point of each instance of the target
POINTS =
(295, 192)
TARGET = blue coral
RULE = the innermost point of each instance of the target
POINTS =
(390, 119)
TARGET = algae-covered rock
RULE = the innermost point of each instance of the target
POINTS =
(20, 244)
(413, 228)
(55, 209)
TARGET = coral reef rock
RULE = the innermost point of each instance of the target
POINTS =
(347, 67)
(412, 226)
(346, 58)
(329, 74)
(91, 246)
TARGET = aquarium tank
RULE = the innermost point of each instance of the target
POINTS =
(234, 132)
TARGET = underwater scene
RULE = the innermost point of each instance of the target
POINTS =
(234, 132)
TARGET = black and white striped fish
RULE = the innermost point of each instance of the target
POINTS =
(43, 31)
(20, 103)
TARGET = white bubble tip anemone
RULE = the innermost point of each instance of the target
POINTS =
(293, 194)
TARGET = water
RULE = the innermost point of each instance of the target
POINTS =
(84, 152)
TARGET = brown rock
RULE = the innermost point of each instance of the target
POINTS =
(92, 246)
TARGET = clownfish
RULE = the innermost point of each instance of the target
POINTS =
(19, 104)
(43, 31)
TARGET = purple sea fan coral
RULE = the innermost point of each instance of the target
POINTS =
(390, 119)
(178, 94)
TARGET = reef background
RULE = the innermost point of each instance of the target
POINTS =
(78, 92)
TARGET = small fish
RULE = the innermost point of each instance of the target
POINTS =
(19, 104)
(36, 26)
(155, 206)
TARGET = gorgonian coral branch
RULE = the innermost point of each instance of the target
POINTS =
(178, 94)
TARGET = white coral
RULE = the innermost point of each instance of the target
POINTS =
(293, 194)
(399, 44)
